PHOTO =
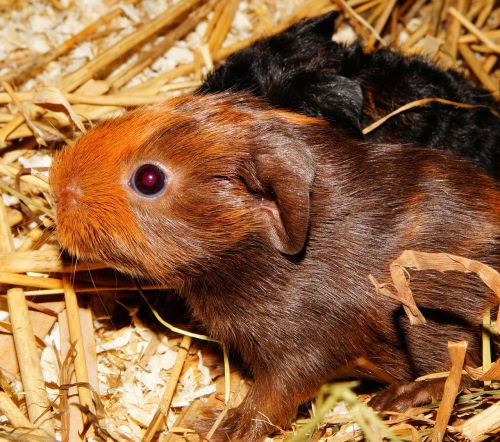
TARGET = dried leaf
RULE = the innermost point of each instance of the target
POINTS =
(441, 262)
(53, 99)
(492, 374)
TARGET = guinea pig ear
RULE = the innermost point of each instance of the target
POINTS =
(324, 25)
(323, 93)
(284, 176)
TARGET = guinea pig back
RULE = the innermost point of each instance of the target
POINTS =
(303, 70)
(269, 223)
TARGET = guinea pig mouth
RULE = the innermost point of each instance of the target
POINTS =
(85, 240)
(74, 231)
(79, 246)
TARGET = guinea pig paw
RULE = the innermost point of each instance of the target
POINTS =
(401, 396)
(235, 426)
(204, 424)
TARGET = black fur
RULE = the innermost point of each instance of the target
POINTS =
(302, 70)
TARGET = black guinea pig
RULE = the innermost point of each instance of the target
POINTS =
(303, 70)
(268, 223)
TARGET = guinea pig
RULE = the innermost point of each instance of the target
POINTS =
(303, 70)
(269, 223)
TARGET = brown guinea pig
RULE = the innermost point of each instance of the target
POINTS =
(269, 223)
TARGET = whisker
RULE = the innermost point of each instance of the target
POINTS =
(73, 275)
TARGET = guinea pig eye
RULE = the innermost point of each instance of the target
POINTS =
(148, 180)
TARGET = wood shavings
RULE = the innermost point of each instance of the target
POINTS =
(138, 391)
(485, 423)
(161, 413)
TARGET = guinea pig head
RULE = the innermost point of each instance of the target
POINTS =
(168, 190)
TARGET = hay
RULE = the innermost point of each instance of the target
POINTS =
(65, 65)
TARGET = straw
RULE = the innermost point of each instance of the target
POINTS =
(161, 414)
(29, 362)
(75, 332)
(457, 352)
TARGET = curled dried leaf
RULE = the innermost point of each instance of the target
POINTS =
(53, 99)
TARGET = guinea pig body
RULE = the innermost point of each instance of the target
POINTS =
(303, 70)
(269, 223)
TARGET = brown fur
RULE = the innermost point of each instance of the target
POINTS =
(269, 227)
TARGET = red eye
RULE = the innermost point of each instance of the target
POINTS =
(148, 180)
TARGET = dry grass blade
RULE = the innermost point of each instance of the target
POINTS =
(474, 30)
(416, 36)
(32, 64)
(29, 362)
(164, 406)
(145, 59)
(77, 78)
(309, 8)
(381, 22)
(217, 422)
(9, 128)
(430, 261)
(6, 242)
(486, 343)
(223, 25)
(478, 70)
(358, 19)
(29, 281)
(457, 352)
(491, 375)
(35, 129)
(454, 27)
(404, 295)
(41, 261)
(214, 20)
(485, 12)
(188, 413)
(12, 412)
(445, 262)
(35, 179)
(471, 38)
(24, 429)
(478, 427)
(121, 99)
(32, 203)
(75, 332)
(436, 15)
(14, 217)
(366, 6)
(422, 102)
(375, 15)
